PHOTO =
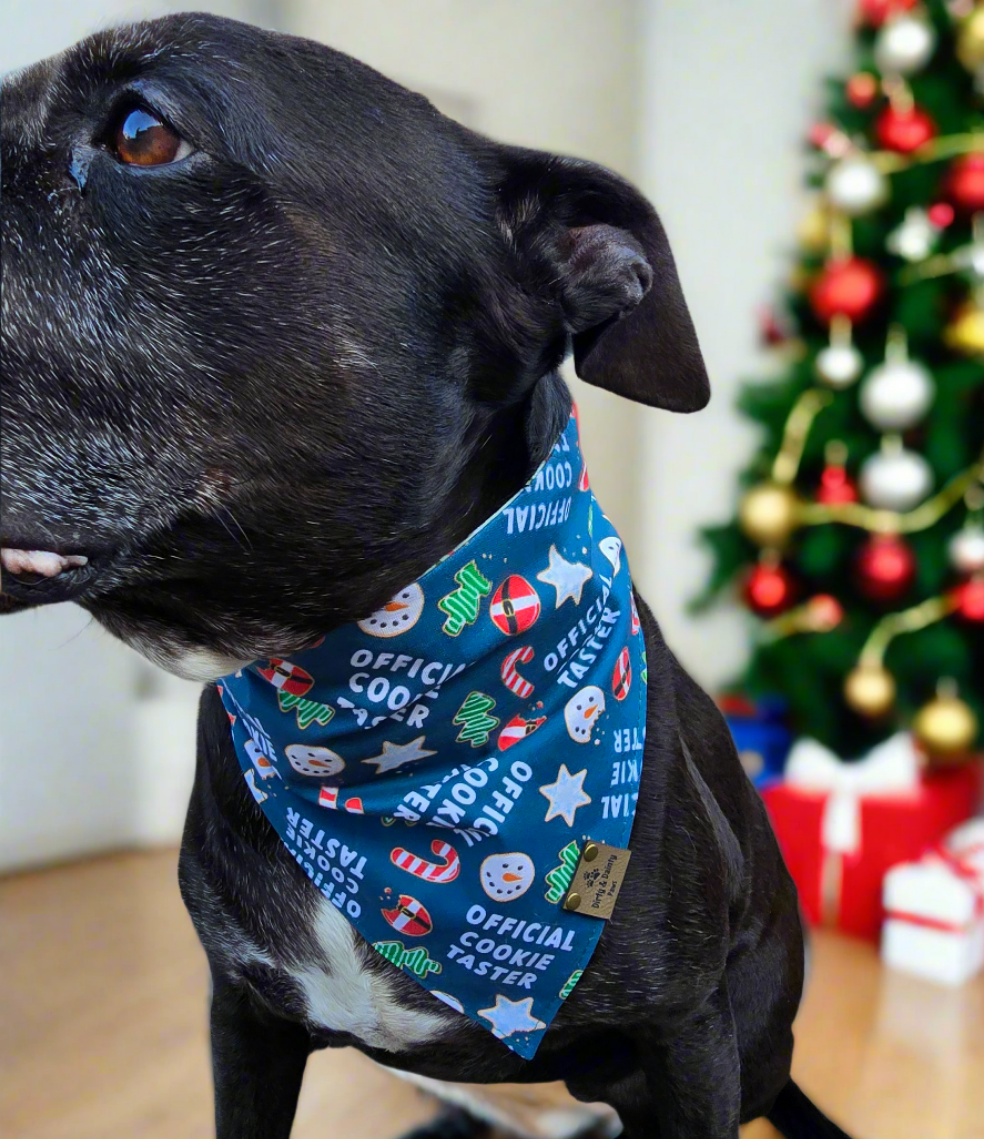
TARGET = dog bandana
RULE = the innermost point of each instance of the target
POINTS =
(438, 768)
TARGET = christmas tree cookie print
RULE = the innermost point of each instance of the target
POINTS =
(474, 720)
(462, 605)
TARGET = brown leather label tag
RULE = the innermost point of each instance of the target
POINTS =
(597, 880)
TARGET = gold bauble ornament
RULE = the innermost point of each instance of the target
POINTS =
(814, 230)
(970, 41)
(965, 333)
(870, 690)
(769, 514)
(946, 728)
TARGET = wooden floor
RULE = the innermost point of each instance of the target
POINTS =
(103, 1028)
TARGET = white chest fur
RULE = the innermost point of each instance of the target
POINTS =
(343, 996)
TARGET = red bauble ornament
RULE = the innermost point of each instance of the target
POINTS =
(836, 486)
(862, 90)
(904, 131)
(772, 329)
(885, 568)
(941, 215)
(965, 183)
(769, 590)
(849, 286)
(970, 600)
(876, 12)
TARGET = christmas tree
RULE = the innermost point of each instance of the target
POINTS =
(858, 543)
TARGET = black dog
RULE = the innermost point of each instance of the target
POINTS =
(276, 335)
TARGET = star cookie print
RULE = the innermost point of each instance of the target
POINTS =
(438, 767)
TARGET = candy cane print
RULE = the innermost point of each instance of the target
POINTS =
(511, 678)
(429, 871)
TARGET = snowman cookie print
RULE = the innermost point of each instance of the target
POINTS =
(307, 760)
(506, 877)
(582, 713)
(397, 615)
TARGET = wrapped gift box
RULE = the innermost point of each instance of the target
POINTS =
(934, 910)
(761, 736)
(841, 827)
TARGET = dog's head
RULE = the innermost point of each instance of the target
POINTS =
(276, 334)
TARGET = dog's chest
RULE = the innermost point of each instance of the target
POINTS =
(340, 993)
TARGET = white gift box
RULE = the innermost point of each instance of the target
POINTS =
(934, 910)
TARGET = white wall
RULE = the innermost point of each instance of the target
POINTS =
(729, 91)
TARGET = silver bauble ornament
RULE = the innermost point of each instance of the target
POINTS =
(966, 550)
(839, 365)
(855, 186)
(904, 45)
(897, 395)
(895, 479)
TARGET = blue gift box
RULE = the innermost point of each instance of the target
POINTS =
(761, 736)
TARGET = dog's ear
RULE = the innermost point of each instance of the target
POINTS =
(589, 243)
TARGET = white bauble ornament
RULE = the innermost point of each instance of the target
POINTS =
(915, 238)
(897, 395)
(856, 186)
(904, 46)
(839, 365)
(966, 550)
(896, 480)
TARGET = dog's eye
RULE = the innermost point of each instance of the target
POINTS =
(143, 139)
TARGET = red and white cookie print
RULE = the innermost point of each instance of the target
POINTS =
(286, 675)
(328, 797)
(506, 877)
(409, 917)
(308, 760)
(517, 684)
(622, 675)
(518, 729)
(515, 606)
(582, 482)
(397, 615)
(635, 613)
(446, 870)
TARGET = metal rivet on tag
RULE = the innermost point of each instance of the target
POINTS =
(573, 902)
(590, 852)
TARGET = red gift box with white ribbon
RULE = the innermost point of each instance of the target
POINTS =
(934, 910)
(842, 826)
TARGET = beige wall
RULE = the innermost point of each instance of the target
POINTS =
(558, 75)
(729, 90)
(78, 770)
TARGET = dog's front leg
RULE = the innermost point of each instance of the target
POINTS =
(257, 1065)
(688, 1085)
(694, 1075)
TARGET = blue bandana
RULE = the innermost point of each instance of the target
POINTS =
(437, 768)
